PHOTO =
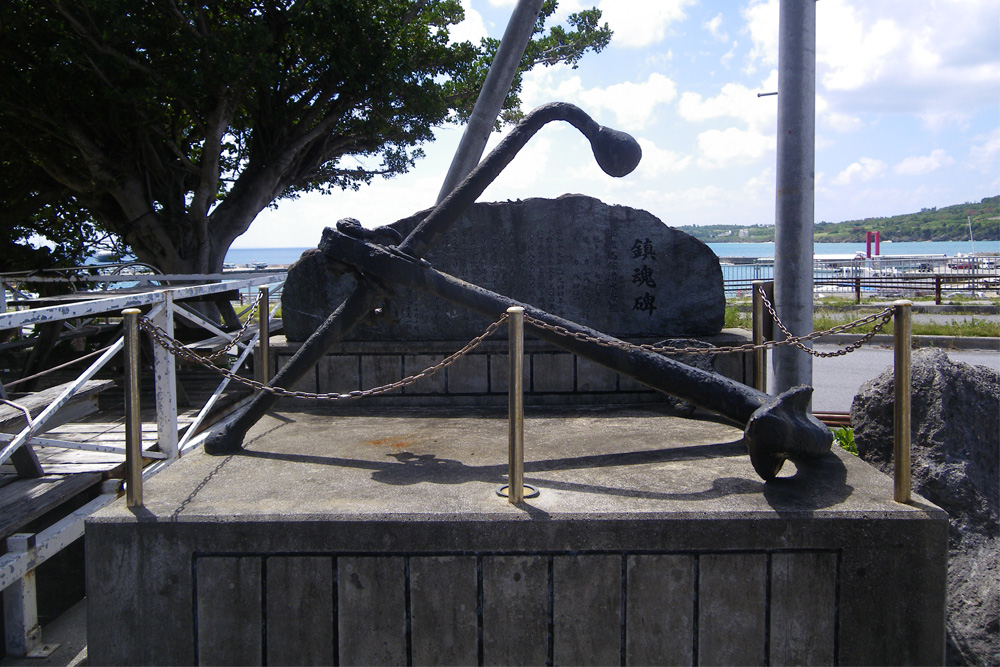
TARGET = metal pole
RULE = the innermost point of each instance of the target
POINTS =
(759, 353)
(165, 382)
(494, 92)
(902, 326)
(515, 477)
(263, 365)
(22, 632)
(795, 187)
(133, 427)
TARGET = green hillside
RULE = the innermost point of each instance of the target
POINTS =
(950, 223)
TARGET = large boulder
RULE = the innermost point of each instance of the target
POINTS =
(955, 460)
(617, 269)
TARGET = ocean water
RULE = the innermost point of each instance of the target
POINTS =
(279, 256)
(270, 256)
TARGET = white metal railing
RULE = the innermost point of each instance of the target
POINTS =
(26, 552)
(163, 310)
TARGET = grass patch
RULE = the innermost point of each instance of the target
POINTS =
(737, 318)
(740, 318)
(972, 327)
(844, 437)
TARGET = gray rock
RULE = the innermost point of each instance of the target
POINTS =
(617, 269)
(973, 602)
(955, 435)
(955, 456)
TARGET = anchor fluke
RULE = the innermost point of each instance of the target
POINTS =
(784, 429)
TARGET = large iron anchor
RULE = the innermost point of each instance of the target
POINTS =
(777, 427)
(617, 154)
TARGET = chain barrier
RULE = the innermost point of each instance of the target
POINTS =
(175, 347)
(232, 343)
(178, 349)
(884, 317)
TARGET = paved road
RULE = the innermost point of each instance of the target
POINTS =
(837, 380)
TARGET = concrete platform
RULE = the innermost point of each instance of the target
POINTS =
(381, 540)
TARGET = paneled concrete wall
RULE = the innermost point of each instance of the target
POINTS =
(551, 375)
(603, 609)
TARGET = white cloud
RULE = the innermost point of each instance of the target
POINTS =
(733, 147)
(842, 122)
(918, 165)
(865, 169)
(733, 101)
(531, 164)
(729, 55)
(472, 29)
(640, 23)
(986, 156)
(657, 161)
(937, 59)
(633, 105)
(762, 26)
(714, 26)
(855, 54)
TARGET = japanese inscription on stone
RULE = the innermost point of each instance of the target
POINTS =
(642, 251)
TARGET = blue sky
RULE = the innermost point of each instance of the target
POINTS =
(908, 116)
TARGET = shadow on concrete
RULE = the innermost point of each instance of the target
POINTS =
(409, 468)
(815, 485)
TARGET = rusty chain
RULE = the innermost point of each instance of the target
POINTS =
(178, 349)
(232, 343)
(884, 316)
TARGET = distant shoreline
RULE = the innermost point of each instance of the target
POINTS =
(284, 257)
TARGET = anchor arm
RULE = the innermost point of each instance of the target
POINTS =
(616, 152)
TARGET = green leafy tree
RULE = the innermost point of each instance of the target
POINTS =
(171, 124)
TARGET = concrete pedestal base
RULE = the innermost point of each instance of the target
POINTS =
(381, 540)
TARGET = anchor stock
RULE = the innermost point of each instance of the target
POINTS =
(616, 152)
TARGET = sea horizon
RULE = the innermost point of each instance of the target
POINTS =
(284, 256)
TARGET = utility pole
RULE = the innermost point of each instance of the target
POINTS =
(796, 180)
(495, 88)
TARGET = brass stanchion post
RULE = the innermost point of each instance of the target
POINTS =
(759, 353)
(263, 365)
(902, 326)
(133, 426)
(515, 477)
(515, 488)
